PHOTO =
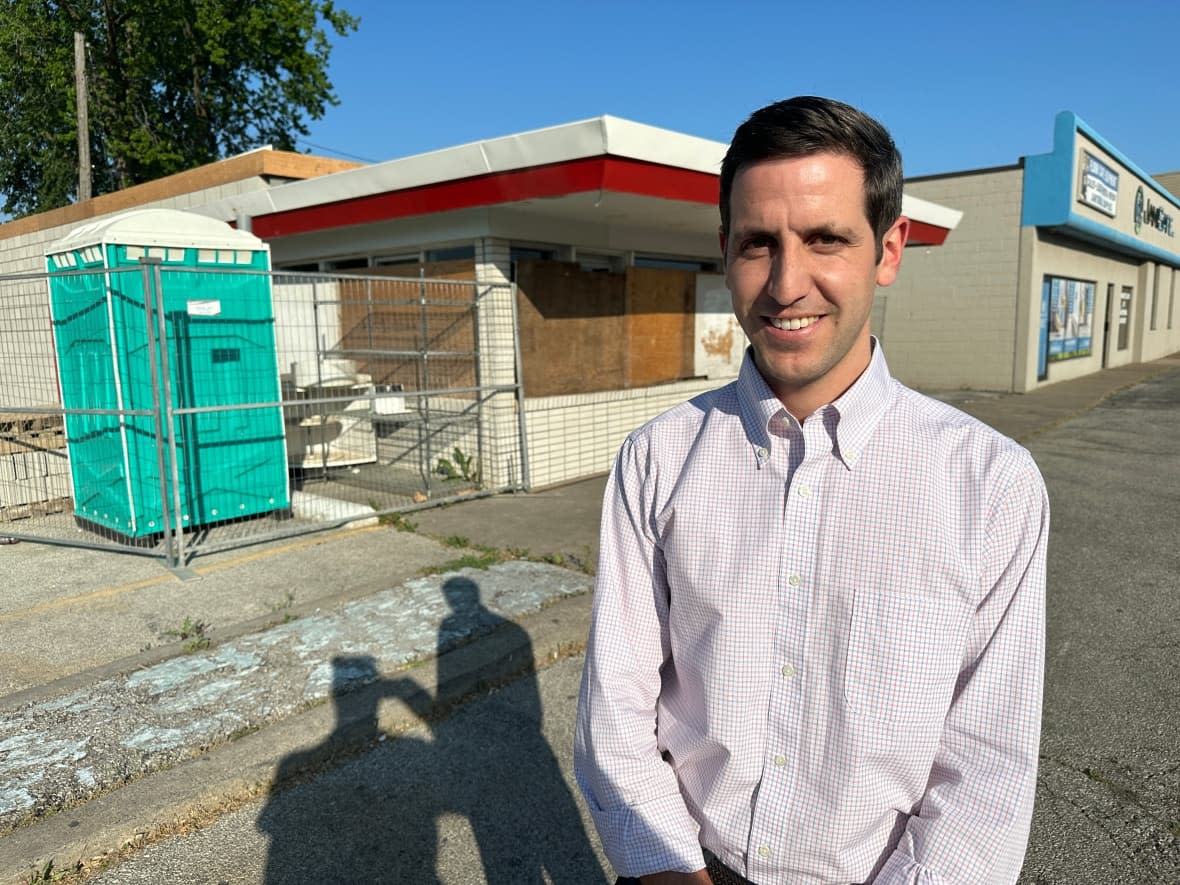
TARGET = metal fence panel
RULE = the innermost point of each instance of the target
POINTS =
(225, 406)
(35, 493)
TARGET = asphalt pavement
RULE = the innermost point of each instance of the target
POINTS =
(313, 653)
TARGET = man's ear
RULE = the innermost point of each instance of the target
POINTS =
(721, 238)
(892, 245)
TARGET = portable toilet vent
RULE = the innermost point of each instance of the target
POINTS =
(120, 286)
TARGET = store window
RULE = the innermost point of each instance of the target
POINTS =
(408, 260)
(675, 263)
(600, 263)
(346, 264)
(451, 253)
(528, 253)
(1071, 317)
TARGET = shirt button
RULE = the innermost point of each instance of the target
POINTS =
(788, 671)
(763, 851)
(793, 580)
(805, 492)
(780, 760)
(762, 453)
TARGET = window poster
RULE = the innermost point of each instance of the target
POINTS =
(1071, 317)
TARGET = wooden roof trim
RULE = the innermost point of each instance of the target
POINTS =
(263, 163)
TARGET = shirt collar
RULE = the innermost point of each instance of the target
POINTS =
(852, 417)
(757, 405)
(861, 407)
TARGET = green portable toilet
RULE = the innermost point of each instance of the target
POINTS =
(222, 377)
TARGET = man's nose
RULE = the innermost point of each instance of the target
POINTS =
(790, 276)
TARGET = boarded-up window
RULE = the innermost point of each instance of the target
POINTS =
(583, 331)
(385, 328)
(660, 312)
(572, 333)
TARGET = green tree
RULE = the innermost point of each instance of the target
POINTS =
(172, 84)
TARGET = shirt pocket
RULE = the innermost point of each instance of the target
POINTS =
(904, 651)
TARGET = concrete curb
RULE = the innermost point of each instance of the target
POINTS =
(227, 775)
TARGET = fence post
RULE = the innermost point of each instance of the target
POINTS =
(520, 416)
(425, 400)
(321, 347)
(150, 281)
(481, 443)
(166, 378)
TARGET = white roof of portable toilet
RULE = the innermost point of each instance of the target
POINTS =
(158, 227)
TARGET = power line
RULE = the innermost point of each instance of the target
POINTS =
(320, 147)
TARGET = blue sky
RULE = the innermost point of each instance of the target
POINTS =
(960, 86)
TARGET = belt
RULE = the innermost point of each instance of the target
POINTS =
(718, 872)
(721, 874)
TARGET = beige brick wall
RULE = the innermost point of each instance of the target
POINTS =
(1169, 181)
(28, 370)
(949, 320)
(25, 252)
(1161, 289)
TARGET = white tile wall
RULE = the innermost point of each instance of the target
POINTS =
(498, 358)
(576, 436)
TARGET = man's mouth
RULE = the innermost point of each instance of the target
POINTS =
(792, 325)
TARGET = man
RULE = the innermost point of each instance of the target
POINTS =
(818, 632)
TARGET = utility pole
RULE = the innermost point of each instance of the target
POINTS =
(83, 117)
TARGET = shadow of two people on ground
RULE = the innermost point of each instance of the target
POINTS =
(386, 816)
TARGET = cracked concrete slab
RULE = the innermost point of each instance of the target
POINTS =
(66, 749)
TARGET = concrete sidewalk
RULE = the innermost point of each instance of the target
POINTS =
(108, 718)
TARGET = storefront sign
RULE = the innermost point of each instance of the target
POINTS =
(1100, 185)
(1153, 215)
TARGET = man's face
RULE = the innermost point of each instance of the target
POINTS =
(801, 265)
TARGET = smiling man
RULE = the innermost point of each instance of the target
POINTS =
(818, 634)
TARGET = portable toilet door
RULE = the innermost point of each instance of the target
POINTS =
(205, 292)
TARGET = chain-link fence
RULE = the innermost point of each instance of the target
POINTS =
(171, 410)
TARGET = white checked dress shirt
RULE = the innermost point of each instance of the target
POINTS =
(817, 650)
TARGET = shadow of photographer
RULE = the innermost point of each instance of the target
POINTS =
(381, 816)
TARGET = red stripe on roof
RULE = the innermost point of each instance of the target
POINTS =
(554, 180)
(924, 234)
(665, 182)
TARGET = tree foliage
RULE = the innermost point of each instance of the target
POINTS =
(172, 84)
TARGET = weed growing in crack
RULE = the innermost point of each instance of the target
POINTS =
(397, 521)
(194, 634)
(49, 873)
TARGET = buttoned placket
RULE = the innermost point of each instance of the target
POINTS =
(799, 455)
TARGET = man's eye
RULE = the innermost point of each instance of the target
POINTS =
(828, 240)
(755, 245)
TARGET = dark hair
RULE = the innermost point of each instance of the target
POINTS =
(805, 125)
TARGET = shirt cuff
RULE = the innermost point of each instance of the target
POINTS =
(901, 869)
(651, 837)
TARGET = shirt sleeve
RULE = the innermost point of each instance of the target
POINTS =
(974, 818)
(631, 791)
